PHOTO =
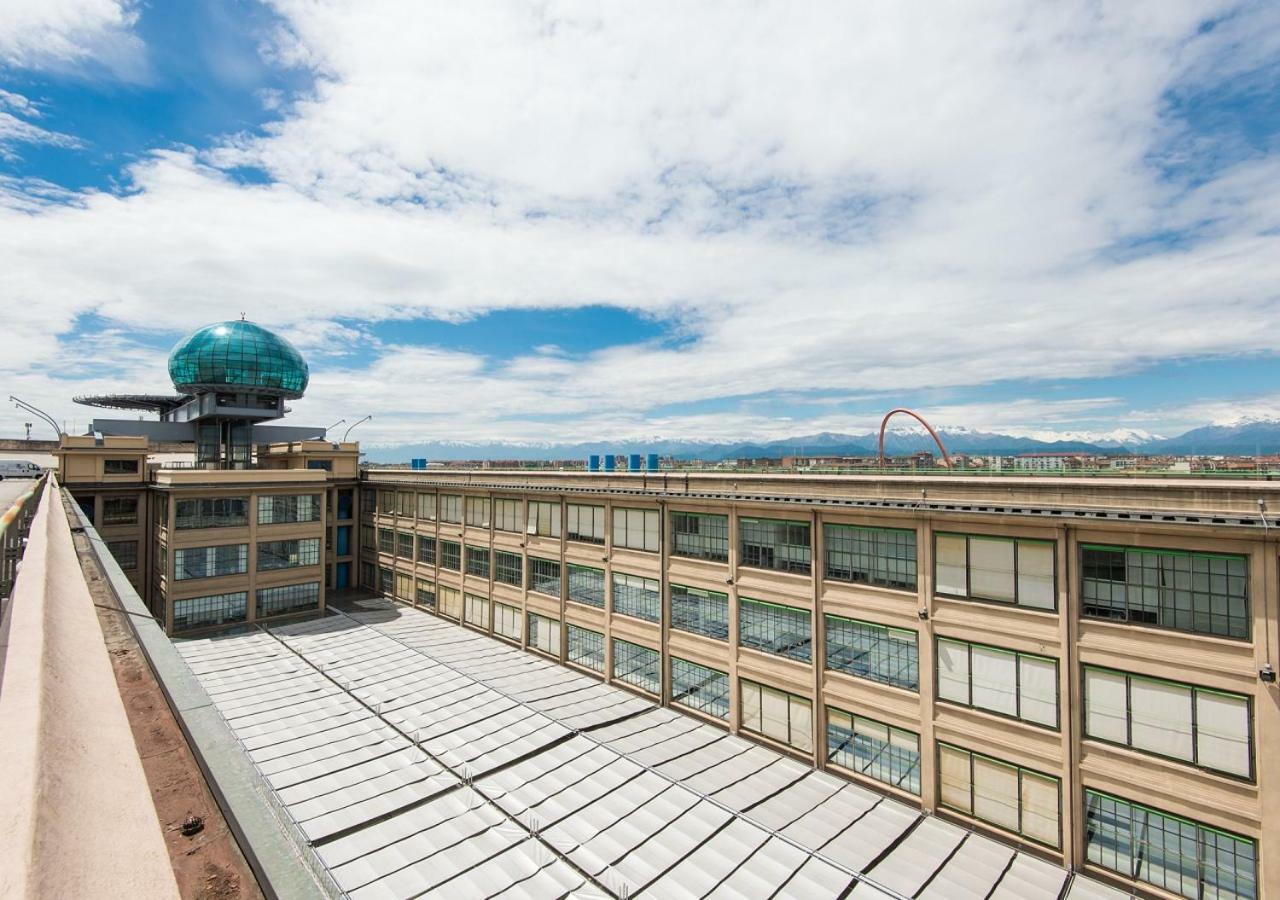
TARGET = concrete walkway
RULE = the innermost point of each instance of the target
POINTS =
(76, 817)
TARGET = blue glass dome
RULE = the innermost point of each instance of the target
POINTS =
(239, 355)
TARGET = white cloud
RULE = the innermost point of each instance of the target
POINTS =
(826, 197)
(15, 130)
(68, 34)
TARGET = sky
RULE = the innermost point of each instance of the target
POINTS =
(564, 221)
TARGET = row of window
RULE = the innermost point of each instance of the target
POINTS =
(1194, 592)
(229, 608)
(224, 512)
(1211, 729)
(233, 559)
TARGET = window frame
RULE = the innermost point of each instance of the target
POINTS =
(1083, 547)
(862, 624)
(801, 653)
(1195, 690)
(1017, 666)
(972, 814)
(854, 719)
(776, 526)
(829, 529)
(706, 540)
(968, 573)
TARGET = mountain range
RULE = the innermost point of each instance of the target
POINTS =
(1245, 438)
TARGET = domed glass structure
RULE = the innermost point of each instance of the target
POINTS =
(240, 356)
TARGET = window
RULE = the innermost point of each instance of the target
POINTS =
(887, 754)
(506, 621)
(214, 609)
(774, 628)
(210, 562)
(119, 511)
(405, 504)
(701, 612)
(636, 596)
(544, 634)
(636, 529)
(426, 594)
(289, 598)
(426, 550)
(427, 507)
(404, 545)
(1176, 854)
(637, 665)
(368, 575)
(586, 648)
(386, 540)
(586, 523)
(125, 553)
(386, 581)
(478, 511)
(368, 502)
(450, 508)
(506, 515)
(883, 557)
(1001, 681)
(450, 602)
(386, 502)
(119, 467)
(343, 533)
(404, 587)
(875, 652)
(280, 509)
(508, 568)
(1211, 729)
(451, 556)
(478, 561)
(1019, 800)
(344, 504)
(1201, 593)
(288, 554)
(700, 536)
(1006, 570)
(211, 512)
(544, 518)
(586, 585)
(775, 544)
(367, 539)
(784, 717)
(476, 611)
(544, 576)
(700, 688)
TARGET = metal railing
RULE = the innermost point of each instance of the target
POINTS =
(14, 527)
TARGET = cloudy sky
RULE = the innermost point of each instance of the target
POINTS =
(571, 221)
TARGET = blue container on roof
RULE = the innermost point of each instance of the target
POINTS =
(653, 462)
(593, 462)
(610, 462)
(633, 462)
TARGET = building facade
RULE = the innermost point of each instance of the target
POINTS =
(1081, 666)
(209, 547)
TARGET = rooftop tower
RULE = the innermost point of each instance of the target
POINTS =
(229, 377)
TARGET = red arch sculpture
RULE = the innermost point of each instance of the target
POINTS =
(946, 458)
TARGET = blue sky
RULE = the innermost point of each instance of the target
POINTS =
(495, 222)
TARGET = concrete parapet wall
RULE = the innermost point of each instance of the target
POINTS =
(76, 817)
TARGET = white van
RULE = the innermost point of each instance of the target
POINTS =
(18, 468)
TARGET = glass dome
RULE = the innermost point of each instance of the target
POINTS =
(239, 355)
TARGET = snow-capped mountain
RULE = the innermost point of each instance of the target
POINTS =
(1248, 437)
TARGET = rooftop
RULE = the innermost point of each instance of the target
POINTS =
(418, 758)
